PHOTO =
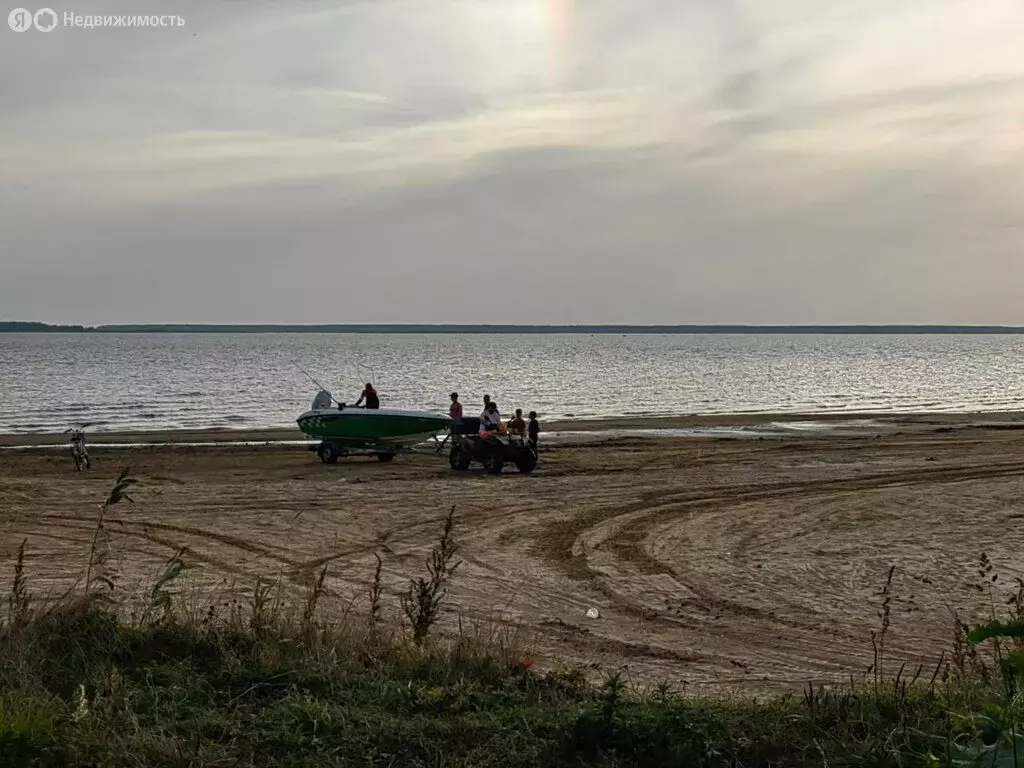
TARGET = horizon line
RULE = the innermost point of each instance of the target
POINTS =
(413, 327)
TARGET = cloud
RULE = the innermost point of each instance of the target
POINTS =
(693, 160)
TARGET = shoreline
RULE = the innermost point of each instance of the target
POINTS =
(31, 326)
(788, 423)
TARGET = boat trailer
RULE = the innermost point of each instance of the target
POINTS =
(330, 450)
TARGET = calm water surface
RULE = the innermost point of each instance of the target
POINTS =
(160, 381)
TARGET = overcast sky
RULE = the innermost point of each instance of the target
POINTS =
(647, 161)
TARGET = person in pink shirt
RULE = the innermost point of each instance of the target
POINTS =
(455, 410)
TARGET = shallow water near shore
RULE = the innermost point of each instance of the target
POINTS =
(250, 381)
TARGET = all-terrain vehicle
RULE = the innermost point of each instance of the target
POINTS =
(493, 451)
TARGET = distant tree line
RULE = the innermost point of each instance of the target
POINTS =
(32, 327)
(18, 327)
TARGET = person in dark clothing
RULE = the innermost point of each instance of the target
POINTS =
(372, 401)
(533, 429)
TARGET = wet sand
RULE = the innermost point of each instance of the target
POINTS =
(884, 421)
(714, 563)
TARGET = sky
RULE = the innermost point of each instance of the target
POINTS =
(516, 161)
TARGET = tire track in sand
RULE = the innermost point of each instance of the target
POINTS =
(558, 540)
(620, 531)
(144, 529)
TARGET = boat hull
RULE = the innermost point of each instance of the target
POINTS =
(366, 426)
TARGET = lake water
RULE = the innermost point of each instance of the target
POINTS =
(161, 381)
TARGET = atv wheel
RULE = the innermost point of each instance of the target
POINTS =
(527, 462)
(459, 458)
(493, 463)
(385, 457)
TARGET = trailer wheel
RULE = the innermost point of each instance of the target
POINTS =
(328, 454)
(385, 457)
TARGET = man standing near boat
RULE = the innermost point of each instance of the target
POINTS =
(455, 409)
(372, 401)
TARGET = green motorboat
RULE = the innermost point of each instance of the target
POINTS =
(348, 429)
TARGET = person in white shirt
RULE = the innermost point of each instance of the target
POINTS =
(490, 419)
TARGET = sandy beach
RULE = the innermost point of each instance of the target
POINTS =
(713, 563)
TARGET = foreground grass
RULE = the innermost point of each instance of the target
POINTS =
(88, 682)
(81, 686)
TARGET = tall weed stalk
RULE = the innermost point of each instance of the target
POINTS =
(18, 601)
(422, 602)
(98, 570)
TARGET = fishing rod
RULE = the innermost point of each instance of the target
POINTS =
(373, 373)
(310, 377)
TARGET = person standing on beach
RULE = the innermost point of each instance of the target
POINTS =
(487, 401)
(516, 425)
(533, 429)
(455, 409)
(372, 401)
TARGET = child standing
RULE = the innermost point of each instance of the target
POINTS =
(516, 425)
